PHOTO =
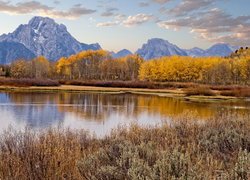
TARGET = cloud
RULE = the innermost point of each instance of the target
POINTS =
(30, 7)
(161, 1)
(106, 3)
(72, 13)
(137, 20)
(120, 17)
(109, 12)
(108, 24)
(214, 25)
(56, 2)
(23, 8)
(143, 4)
(129, 21)
(187, 6)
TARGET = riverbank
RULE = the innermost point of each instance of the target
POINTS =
(175, 93)
(219, 148)
(188, 91)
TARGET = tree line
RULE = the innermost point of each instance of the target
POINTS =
(99, 65)
(209, 70)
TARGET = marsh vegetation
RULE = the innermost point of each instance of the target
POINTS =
(186, 149)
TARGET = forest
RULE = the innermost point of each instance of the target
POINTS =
(100, 66)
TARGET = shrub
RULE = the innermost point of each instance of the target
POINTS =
(28, 82)
(218, 148)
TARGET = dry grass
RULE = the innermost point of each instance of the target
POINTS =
(27, 82)
(237, 92)
(186, 150)
(190, 89)
(199, 91)
(129, 84)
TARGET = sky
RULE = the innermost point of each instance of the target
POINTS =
(119, 24)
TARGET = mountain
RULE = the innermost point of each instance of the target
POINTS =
(121, 53)
(220, 49)
(195, 52)
(44, 37)
(155, 48)
(10, 51)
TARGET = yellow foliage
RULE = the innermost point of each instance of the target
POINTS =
(216, 70)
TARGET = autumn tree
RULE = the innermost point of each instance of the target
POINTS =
(40, 67)
(84, 65)
(21, 69)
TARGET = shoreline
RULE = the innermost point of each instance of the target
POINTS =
(172, 93)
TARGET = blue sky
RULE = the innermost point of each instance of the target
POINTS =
(118, 24)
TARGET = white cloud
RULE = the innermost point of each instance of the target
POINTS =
(35, 7)
(137, 20)
(108, 24)
(187, 6)
(127, 21)
(215, 26)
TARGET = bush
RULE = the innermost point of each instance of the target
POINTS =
(188, 149)
(28, 82)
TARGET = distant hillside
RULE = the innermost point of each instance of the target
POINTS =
(220, 49)
(121, 53)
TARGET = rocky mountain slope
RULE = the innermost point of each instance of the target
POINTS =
(155, 48)
(44, 37)
(10, 51)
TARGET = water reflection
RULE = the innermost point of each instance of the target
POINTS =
(99, 113)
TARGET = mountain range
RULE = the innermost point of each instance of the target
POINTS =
(121, 53)
(42, 36)
(156, 48)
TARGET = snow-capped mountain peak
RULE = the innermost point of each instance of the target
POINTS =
(44, 37)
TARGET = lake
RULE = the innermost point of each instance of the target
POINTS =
(99, 113)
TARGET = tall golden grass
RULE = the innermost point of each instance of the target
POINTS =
(186, 149)
(199, 91)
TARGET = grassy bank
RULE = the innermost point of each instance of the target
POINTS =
(185, 150)
(28, 82)
(169, 88)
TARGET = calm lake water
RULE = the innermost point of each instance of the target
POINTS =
(99, 113)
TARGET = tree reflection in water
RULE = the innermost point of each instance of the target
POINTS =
(40, 110)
